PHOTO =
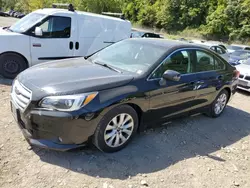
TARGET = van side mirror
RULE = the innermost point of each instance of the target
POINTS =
(38, 32)
(172, 75)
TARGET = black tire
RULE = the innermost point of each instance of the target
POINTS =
(98, 138)
(212, 108)
(11, 65)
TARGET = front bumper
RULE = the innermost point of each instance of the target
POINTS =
(55, 130)
(244, 84)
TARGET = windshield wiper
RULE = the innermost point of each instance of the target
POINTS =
(108, 66)
(8, 28)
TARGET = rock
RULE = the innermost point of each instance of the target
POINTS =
(97, 176)
(236, 184)
(130, 186)
(162, 180)
(29, 148)
(209, 169)
(144, 175)
(129, 177)
(79, 169)
(1, 146)
(144, 183)
(105, 185)
(111, 186)
(85, 186)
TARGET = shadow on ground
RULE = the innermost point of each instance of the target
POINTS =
(243, 92)
(4, 81)
(157, 149)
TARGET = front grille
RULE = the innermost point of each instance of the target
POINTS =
(246, 87)
(241, 76)
(247, 78)
(20, 95)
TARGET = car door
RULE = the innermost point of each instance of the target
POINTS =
(57, 41)
(168, 97)
(210, 72)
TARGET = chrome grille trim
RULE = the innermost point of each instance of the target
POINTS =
(20, 95)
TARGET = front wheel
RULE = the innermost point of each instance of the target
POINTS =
(11, 65)
(116, 129)
(219, 104)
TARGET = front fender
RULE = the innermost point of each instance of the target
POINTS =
(15, 43)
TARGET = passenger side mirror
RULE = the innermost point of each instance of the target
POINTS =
(38, 32)
(172, 75)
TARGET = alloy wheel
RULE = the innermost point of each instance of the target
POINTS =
(119, 130)
(220, 104)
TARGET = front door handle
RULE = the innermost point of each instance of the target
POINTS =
(71, 45)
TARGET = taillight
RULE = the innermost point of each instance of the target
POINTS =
(236, 74)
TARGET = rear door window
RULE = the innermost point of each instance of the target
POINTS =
(207, 62)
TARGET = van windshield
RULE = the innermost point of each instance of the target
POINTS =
(26, 22)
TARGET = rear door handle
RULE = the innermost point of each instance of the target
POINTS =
(71, 45)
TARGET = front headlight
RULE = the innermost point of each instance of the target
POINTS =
(67, 102)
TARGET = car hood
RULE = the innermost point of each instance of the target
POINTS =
(244, 69)
(71, 76)
(4, 32)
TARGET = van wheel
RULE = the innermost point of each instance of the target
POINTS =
(11, 65)
(116, 129)
(219, 104)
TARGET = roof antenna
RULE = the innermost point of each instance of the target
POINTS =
(71, 8)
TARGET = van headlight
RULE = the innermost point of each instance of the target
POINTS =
(67, 102)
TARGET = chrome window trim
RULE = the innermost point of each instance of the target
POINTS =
(181, 49)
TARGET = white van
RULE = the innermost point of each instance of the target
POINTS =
(51, 34)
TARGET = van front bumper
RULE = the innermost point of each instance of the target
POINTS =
(55, 130)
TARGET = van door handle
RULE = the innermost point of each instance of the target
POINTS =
(77, 45)
(220, 77)
(71, 45)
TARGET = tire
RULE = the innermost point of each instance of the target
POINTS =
(217, 108)
(107, 132)
(11, 65)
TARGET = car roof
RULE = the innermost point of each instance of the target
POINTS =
(240, 45)
(166, 43)
(246, 51)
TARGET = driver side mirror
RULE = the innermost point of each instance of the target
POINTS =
(38, 32)
(172, 75)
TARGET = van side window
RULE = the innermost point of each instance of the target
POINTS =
(56, 27)
(179, 61)
(207, 62)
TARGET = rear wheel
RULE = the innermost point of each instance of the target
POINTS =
(219, 104)
(11, 65)
(116, 129)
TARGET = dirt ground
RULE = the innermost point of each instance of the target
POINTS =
(190, 152)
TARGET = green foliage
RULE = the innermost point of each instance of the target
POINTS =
(224, 19)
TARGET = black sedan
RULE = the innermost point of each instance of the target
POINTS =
(118, 91)
(140, 34)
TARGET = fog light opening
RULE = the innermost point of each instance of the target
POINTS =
(60, 139)
(89, 116)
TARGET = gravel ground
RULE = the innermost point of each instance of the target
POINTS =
(189, 152)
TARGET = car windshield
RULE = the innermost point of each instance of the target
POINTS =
(231, 47)
(26, 22)
(130, 55)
